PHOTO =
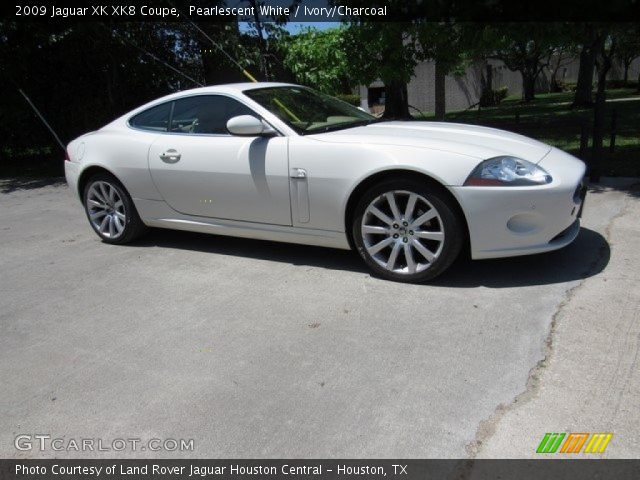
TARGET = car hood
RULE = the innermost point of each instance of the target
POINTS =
(470, 140)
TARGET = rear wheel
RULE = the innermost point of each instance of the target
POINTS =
(407, 231)
(111, 211)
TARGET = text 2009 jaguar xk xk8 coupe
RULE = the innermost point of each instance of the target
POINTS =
(283, 162)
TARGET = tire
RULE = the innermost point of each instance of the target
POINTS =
(110, 210)
(407, 244)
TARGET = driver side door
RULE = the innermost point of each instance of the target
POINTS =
(200, 169)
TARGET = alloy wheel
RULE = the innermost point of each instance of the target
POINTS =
(106, 209)
(402, 232)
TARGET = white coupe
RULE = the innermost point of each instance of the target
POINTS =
(283, 162)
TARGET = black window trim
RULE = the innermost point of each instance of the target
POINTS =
(173, 103)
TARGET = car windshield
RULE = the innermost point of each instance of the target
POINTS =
(308, 111)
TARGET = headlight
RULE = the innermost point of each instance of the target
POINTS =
(507, 172)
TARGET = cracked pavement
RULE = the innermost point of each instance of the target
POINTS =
(258, 349)
(589, 379)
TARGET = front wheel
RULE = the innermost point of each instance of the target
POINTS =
(407, 231)
(111, 211)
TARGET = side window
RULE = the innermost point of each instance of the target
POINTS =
(155, 119)
(206, 114)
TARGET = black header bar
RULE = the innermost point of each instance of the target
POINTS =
(323, 10)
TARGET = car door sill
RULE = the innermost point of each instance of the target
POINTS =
(157, 214)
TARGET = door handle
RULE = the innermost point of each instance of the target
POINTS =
(298, 173)
(170, 156)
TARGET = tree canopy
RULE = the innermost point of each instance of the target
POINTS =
(319, 58)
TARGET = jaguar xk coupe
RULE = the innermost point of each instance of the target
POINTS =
(283, 162)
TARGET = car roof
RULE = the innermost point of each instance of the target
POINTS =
(236, 87)
(229, 88)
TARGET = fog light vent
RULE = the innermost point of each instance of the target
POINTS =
(525, 223)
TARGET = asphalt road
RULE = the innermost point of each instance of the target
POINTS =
(258, 349)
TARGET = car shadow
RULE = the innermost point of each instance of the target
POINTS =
(299, 255)
(587, 256)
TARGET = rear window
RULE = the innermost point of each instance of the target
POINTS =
(155, 119)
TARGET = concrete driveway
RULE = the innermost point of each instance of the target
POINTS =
(257, 349)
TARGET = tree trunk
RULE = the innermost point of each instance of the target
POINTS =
(554, 86)
(598, 136)
(627, 64)
(440, 79)
(584, 97)
(487, 97)
(598, 119)
(528, 86)
(603, 67)
(396, 103)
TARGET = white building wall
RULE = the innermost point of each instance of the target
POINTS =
(463, 91)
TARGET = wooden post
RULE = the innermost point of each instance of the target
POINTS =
(614, 127)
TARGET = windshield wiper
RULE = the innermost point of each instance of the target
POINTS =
(344, 125)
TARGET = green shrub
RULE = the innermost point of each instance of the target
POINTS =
(351, 98)
(491, 98)
(500, 94)
(568, 86)
(621, 84)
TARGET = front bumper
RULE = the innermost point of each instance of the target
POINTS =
(511, 221)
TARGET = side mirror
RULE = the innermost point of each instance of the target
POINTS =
(249, 126)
